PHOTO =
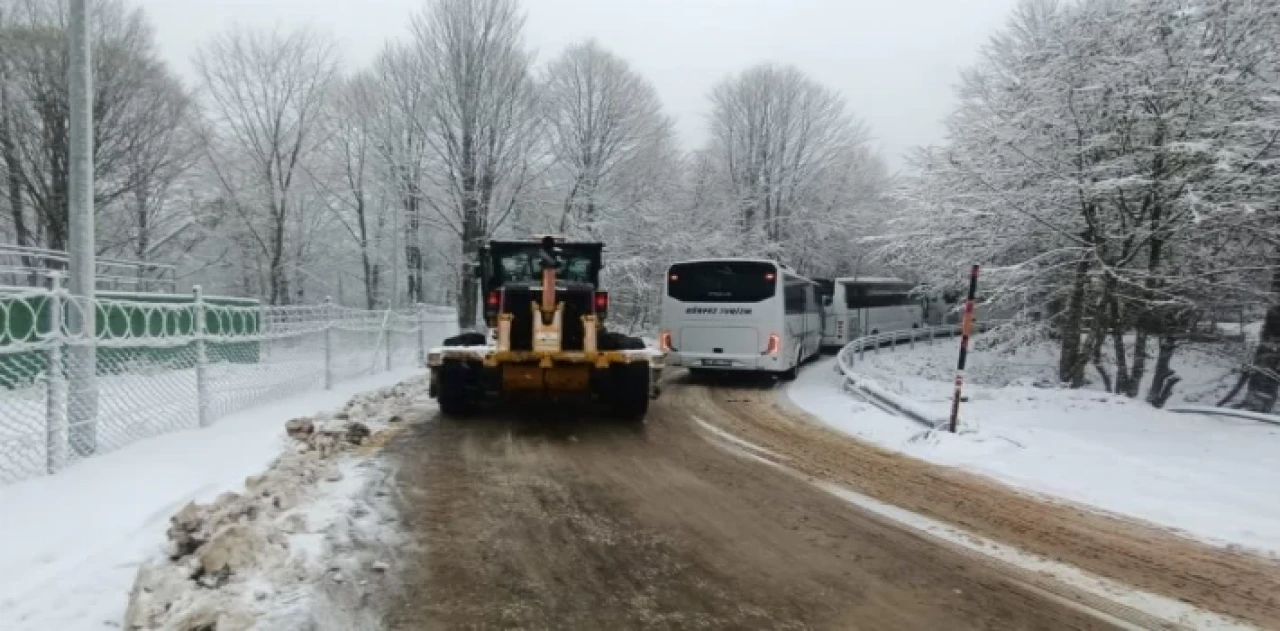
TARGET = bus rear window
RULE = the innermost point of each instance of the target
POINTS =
(722, 281)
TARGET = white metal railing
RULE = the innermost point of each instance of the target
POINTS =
(155, 367)
(34, 267)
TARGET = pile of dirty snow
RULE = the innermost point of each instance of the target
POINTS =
(314, 528)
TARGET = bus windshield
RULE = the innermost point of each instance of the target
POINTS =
(722, 281)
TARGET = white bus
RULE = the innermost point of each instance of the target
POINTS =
(740, 315)
(853, 307)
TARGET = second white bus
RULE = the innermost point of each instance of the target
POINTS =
(740, 315)
(854, 307)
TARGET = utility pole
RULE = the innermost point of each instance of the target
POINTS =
(82, 363)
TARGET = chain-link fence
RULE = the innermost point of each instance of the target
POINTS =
(172, 362)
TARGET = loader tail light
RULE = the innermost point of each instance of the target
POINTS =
(602, 301)
(775, 344)
(492, 305)
(664, 341)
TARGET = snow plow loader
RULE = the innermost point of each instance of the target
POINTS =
(546, 340)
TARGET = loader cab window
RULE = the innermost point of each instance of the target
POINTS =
(523, 265)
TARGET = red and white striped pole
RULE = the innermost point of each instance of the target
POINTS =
(966, 328)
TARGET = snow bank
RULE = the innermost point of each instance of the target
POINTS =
(1210, 477)
(71, 543)
(268, 557)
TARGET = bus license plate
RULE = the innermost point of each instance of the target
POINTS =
(717, 362)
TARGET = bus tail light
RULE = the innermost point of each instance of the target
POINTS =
(664, 341)
(775, 344)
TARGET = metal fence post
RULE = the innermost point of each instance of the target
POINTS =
(198, 329)
(55, 413)
(912, 340)
(328, 342)
(422, 335)
(928, 331)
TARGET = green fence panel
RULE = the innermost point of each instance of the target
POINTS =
(24, 318)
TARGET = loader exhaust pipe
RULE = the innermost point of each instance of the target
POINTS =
(550, 263)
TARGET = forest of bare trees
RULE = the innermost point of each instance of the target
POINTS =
(1116, 164)
(282, 173)
(1113, 164)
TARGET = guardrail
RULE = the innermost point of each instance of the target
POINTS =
(856, 349)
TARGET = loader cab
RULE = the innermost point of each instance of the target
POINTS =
(511, 281)
(519, 262)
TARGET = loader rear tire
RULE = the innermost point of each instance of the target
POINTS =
(614, 341)
(455, 397)
(630, 396)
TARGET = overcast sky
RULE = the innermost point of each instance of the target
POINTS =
(894, 60)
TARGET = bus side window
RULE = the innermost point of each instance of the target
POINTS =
(794, 298)
(810, 299)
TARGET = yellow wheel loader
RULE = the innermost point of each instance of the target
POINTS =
(546, 339)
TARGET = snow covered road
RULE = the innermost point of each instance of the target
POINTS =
(580, 523)
(728, 508)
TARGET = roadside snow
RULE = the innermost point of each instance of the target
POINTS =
(1212, 478)
(71, 543)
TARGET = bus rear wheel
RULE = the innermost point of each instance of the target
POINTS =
(791, 373)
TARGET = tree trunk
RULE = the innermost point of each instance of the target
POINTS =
(1069, 346)
(370, 275)
(1263, 386)
(279, 282)
(412, 247)
(467, 286)
(1117, 341)
(1163, 379)
(13, 167)
(1139, 370)
(1092, 348)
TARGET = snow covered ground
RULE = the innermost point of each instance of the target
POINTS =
(71, 543)
(1210, 477)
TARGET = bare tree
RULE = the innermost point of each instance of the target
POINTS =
(480, 124)
(138, 106)
(779, 133)
(350, 181)
(401, 144)
(265, 94)
(603, 118)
